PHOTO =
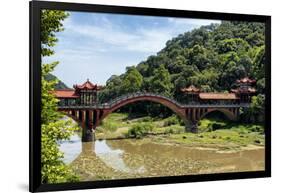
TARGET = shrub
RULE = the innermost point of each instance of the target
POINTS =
(169, 130)
(217, 126)
(109, 126)
(175, 129)
(257, 141)
(257, 128)
(146, 119)
(140, 130)
(173, 120)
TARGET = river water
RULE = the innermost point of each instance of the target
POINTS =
(132, 158)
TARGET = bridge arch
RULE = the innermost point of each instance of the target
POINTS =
(75, 117)
(89, 117)
(172, 105)
(228, 113)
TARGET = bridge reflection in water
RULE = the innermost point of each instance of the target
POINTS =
(119, 159)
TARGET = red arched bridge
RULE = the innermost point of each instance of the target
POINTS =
(82, 104)
(90, 116)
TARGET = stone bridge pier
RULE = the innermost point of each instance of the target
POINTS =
(194, 115)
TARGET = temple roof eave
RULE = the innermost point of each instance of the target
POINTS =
(63, 93)
(191, 89)
(246, 80)
(87, 86)
(218, 96)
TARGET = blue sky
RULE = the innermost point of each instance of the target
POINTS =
(98, 45)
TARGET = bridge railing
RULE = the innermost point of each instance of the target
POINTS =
(140, 94)
(121, 98)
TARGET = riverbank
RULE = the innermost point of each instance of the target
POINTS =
(212, 134)
(147, 157)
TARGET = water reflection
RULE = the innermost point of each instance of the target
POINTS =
(131, 158)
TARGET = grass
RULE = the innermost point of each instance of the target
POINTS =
(119, 125)
(225, 134)
(212, 132)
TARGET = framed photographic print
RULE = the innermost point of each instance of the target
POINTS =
(125, 96)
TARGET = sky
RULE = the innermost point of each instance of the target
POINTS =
(97, 45)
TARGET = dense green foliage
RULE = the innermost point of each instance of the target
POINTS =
(59, 84)
(53, 128)
(211, 57)
(139, 130)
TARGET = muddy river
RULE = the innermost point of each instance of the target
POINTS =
(131, 158)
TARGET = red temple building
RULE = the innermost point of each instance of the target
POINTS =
(245, 89)
(194, 94)
(85, 94)
(242, 94)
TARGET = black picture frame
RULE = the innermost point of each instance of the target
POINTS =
(35, 95)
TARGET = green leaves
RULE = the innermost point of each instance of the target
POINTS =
(51, 23)
(256, 112)
(53, 127)
(161, 82)
(211, 57)
(139, 130)
(132, 81)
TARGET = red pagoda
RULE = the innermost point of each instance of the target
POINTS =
(241, 94)
(191, 92)
(245, 89)
(85, 94)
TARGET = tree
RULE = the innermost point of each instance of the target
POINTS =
(132, 81)
(51, 23)
(53, 127)
(259, 63)
(233, 45)
(178, 65)
(256, 112)
(212, 57)
(161, 81)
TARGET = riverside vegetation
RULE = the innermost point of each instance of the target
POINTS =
(212, 132)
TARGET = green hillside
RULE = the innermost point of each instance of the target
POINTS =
(60, 85)
(210, 57)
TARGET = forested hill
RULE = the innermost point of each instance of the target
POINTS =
(210, 57)
(59, 85)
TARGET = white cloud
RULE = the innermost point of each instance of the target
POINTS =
(192, 22)
(98, 47)
(148, 40)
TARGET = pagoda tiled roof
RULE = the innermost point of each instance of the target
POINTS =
(191, 88)
(87, 86)
(244, 90)
(218, 96)
(65, 93)
(246, 80)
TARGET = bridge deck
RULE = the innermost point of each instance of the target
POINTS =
(123, 98)
(101, 106)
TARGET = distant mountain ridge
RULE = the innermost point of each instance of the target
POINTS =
(60, 85)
